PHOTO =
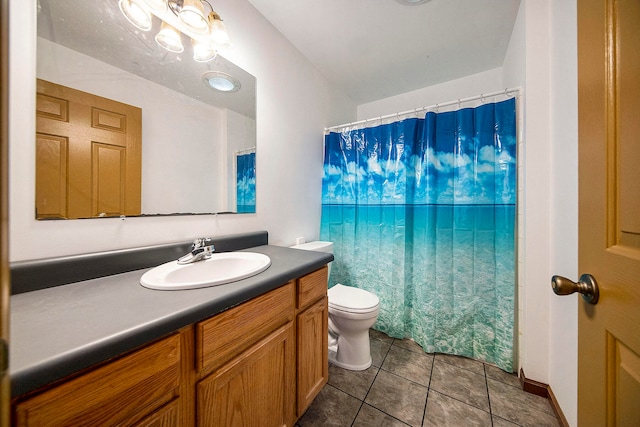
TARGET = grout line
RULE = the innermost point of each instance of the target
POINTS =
(486, 384)
(433, 363)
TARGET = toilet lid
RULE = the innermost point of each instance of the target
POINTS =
(348, 298)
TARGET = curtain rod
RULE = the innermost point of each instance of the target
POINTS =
(246, 150)
(505, 92)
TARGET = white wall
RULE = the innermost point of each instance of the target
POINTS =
(466, 87)
(536, 155)
(542, 57)
(294, 104)
(513, 71)
(563, 320)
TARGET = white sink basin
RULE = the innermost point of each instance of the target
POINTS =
(221, 268)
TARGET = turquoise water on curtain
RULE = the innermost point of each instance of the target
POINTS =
(422, 214)
(449, 284)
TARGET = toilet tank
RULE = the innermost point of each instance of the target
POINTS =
(318, 246)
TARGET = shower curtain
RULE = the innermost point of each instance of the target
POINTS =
(246, 182)
(422, 214)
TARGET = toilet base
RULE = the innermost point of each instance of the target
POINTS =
(333, 360)
(352, 353)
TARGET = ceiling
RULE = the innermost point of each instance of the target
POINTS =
(373, 49)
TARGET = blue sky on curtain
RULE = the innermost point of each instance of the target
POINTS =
(422, 213)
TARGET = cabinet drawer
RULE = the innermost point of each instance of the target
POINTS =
(126, 389)
(312, 287)
(225, 335)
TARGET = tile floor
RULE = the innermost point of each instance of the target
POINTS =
(406, 386)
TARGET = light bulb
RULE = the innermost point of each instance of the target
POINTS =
(203, 51)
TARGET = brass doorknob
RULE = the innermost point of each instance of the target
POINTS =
(587, 286)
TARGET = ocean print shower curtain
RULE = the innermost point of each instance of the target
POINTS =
(246, 183)
(422, 214)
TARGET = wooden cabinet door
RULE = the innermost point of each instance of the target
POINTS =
(257, 388)
(313, 364)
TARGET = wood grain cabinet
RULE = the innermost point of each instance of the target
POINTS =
(312, 337)
(122, 392)
(250, 350)
(260, 363)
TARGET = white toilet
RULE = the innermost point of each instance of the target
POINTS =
(352, 312)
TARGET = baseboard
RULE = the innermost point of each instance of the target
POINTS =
(543, 390)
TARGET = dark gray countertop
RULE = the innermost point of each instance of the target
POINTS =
(61, 330)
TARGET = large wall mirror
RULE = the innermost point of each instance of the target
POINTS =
(197, 143)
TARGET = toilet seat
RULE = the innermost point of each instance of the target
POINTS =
(352, 300)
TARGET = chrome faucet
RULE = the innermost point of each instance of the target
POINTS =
(201, 249)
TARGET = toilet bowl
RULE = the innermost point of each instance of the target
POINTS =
(352, 311)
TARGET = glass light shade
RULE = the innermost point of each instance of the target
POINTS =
(192, 15)
(157, 5)
(203, 51)
(169, 38)
(218, 30)
(221, 81)
(136, 13)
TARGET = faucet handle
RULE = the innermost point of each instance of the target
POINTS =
(201, 242)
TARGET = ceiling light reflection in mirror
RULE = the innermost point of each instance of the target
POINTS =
(189, 129)
(206, 30)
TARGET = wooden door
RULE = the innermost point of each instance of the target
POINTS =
(88, 154)
(609, 211)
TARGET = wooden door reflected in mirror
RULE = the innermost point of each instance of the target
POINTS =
(88, 155)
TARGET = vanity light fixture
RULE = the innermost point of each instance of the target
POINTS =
(180, 18)
(220, 81)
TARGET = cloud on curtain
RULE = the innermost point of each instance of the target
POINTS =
(422, 213)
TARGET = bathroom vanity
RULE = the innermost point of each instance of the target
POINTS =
(252, 352)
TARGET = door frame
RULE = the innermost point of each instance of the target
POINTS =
(5, 392)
